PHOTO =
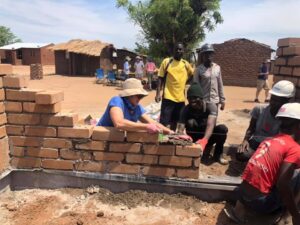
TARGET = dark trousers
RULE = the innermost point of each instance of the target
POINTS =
(170, 113)
(218, 137)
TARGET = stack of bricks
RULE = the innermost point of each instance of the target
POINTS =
(4, 157)
(43, 137)
(287, 65)
(36, 71)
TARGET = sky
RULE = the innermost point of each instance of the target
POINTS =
(56, 21)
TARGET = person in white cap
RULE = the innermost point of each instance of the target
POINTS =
(139, 68)
(263, 123)
(124, 111)
(126, 67)
(271, 180)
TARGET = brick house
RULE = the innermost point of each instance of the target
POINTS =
(81, 57)
(27, 53)
(240, 60)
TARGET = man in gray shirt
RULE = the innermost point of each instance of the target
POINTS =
(263, 123)
(208, 75)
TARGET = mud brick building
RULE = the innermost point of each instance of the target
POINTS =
(239, 60)
(27, 53)
(81, 57)
(287, 63)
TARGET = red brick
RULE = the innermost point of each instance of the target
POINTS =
(26, 141)
(42, 152)
(185, 173)
(2, 109)
(2, 131)
(49, 97)
(75, 132)
(92, 145)
(5, 69)
(296, 71)
(142, 137)
(4, 154)
(15, 81)
(17, 151)
(57, 164)
(56, 143)
(24, 94)
(159, 149)
(283, 42)
(286, 70)
(107, 134)
(40, 131)
(25, 163)
(23, 119)
(2, 94)
(281, 61)
(276, 69)
(125, 147)
(291, 50)
(14, 130)
(141, 159)
(175, 161)
(3, 119)
(196, 162)
(115, 167)
(90, 166)
(13, 107)
(158, 171)
(71, 154)
(35, 108)
(108, 156)
(191, 150)
(60, 119)
(294, 61)
(1, 82)
(279, 51)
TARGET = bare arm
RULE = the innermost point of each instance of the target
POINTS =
(283, 185)
(120, 122)
(250, 131)
(211, 122)
(159, 86)
(146, 119)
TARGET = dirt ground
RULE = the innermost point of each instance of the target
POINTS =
(78, 207)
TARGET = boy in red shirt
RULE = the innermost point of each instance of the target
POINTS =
(271, 179)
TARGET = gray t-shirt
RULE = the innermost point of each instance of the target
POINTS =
(266, 125)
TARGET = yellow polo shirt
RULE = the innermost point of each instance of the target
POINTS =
(178, 74)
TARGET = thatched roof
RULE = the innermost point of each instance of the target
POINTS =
(79, 46)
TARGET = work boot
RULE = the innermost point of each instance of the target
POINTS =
(220, 159)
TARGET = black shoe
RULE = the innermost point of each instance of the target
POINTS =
(256, 100)
(267, 100)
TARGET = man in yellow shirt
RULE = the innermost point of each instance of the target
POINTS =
(173, 76)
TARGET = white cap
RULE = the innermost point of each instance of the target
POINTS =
(290, 110)
(283, 88)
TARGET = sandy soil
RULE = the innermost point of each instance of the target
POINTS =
(25, 70)
(78, 207)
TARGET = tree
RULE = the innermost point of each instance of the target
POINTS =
(7, 37)
(164, 23)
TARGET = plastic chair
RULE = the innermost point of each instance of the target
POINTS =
(99, 76)
(111, 78)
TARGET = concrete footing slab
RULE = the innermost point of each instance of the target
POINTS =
(206, 190)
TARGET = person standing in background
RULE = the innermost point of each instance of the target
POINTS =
(150, 70)
(139, 68)
(262, 81)
(126, 67)
(208, 75)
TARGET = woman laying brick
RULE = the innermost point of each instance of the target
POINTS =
(124, 111)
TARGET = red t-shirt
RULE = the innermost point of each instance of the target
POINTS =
(263, 168)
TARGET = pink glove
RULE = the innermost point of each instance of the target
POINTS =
(152, 128)
(202, 142)
(185, 137)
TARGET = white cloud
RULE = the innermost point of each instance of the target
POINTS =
(264, 20)
(56, 21)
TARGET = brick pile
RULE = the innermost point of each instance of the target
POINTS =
(36, 71)
(287, 64)
(41, 136)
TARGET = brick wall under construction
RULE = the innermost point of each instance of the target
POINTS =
(43, 137)
(287, 64)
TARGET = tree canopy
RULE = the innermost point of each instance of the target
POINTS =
(164, 23)
(7, 37)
